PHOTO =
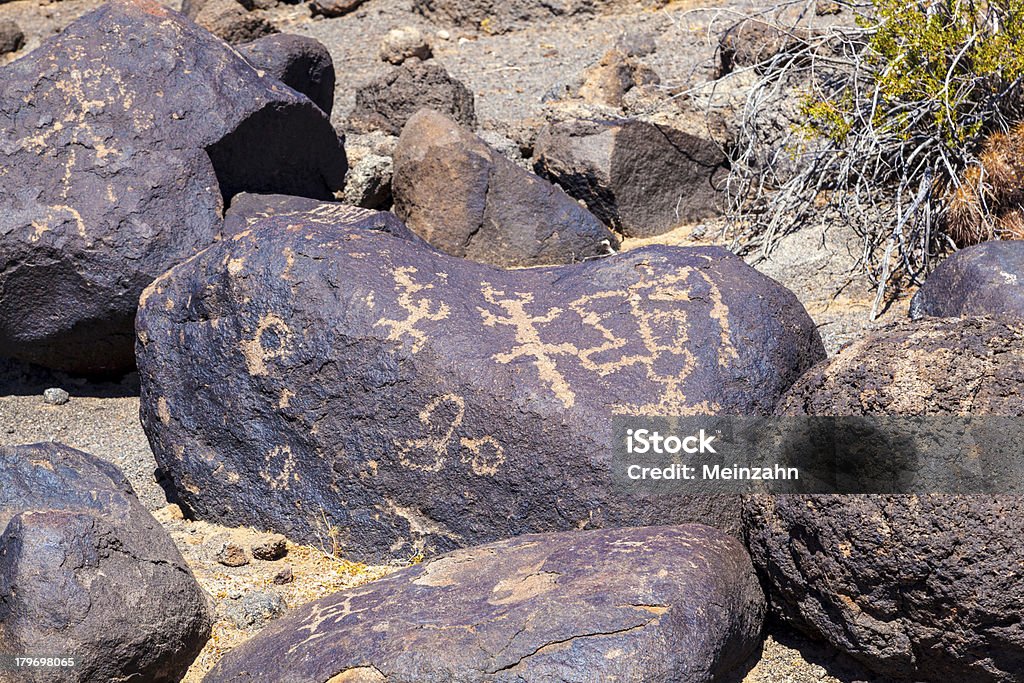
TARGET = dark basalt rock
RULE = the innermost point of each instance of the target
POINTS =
(12, 38)
(640, 178)
(313, 372)
(127, 130)
(986, 279)
(629, 604)
(917, 587)
(466, 199)
(229, 20)
(388, 102)
(86, 571)
(300, 62)
(499, 16)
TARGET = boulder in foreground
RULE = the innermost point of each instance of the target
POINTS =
(986, 279)
(125, 150)
(466, 199)
(86, 571)
(312, 375)
(661, 604)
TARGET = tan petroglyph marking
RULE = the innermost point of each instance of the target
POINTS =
(45, 464)
(321, 614)
(449, 571)
(417, 310)
(285, 399)
(656, 610)
(361, 674)
(437, 440)
(481, 463)
(256, 354)
(527, 342)
(284, 455)
(519, 588)
(235, 265)
(289, 257)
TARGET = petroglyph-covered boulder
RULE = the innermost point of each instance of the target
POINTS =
(917, 587)
(313, 375)
(300, 62)
(86, 571)
(118, 139)
(639, 178)
(986, 279)
(466, 199)
(661, 604)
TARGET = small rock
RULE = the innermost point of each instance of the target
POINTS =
(334, 8)
(12, 38)
(467, 200)
(269, 547)
(231, 554)
(637, 44)
(388, 102)
(444, 35)
(170, 512)
(404, 43)
(608, 81)
(284, 575)
(368, 183)
(56, 396)
(255, 609)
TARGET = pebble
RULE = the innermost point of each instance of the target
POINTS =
(56, 396)
(284, 575)
(232, 555)
(269, 547)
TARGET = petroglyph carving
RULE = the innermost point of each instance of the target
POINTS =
(662, 328)
(417, 309)
(440, 418)
(270, 340)
(282, 460)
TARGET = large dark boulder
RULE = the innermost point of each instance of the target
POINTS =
(986, 279)
(388, 102)
(466, 199)
(300, 62)
(311, 374)
(116, 155)
(628, 605)
(640, 178)
(86, 571)
(917, 587)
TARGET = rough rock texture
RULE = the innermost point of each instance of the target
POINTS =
(388, 102)
(11, 37)
(123, 150)
(468, 200)
(751, 42)
(638, 177)
(368, 183)
(300, 62)
(86, 571)
(915, 587)
(986, 279)
(315, 375)
(499, 16)
(616, 74)
(661, 604)
(229, 20)
(248, 209)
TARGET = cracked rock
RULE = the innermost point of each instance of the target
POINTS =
(640, 178)
(127, 150)
(986, 279)
(468, 200)
(85, 570)
(916, 587)
(660, 605)
(416, 400)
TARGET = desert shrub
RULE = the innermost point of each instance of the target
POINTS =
(905, 129)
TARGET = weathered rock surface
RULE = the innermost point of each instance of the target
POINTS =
(229, 20)
(752, 42)
(334, 8)
(615, 75)
(986, 279)
(404, 43)
(248, 209)
(468, 200)
(86, 571)
(917, 587)
(300, 62)
(658, 604)
(410, 399)
(499, 16)
(388, 102)
(124, 150)
(638, 177)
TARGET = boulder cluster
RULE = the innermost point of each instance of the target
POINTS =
(443, 380)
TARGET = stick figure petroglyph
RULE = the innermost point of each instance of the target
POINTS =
(440, 418)
(416, 309)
